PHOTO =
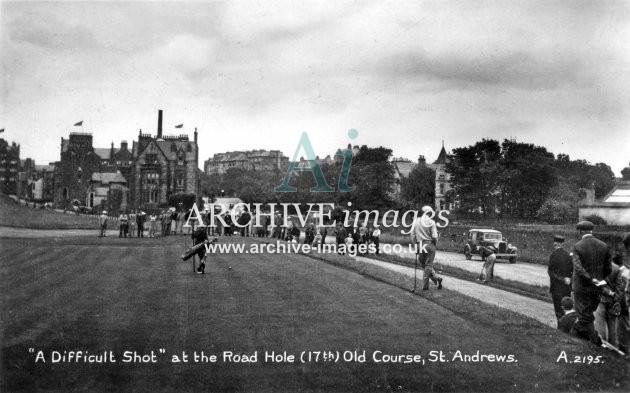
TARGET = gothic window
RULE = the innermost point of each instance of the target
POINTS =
(179, 180)
(173, 147)
(180, 158)
(189, 148)
(151, 187)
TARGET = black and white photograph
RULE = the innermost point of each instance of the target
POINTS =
(315, 196)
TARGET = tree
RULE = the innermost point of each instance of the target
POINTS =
(419, 187)
(474, 172)
(511, 177)
(528, 176)
(602, 178)
(561, 205)
(372, 175)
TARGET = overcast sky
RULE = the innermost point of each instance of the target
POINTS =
(257, 74)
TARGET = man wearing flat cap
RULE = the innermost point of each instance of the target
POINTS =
(591, 264)
(560, 270)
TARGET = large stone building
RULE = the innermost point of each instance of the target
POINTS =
(9, 167)
(258, 160)
(403, 167)
(36, 182)
(144, 177)
(442, 180)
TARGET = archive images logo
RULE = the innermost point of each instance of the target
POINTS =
(316, 170)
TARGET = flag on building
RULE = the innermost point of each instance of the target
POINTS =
(179, 125)
(1, 129)
(79, 123)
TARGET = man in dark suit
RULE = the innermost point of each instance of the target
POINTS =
(591, 264)
(560, 270)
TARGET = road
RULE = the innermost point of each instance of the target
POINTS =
(540, 310)
(527, 273)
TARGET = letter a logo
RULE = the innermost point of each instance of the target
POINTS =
(314, 168)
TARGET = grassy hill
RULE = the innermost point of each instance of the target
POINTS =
(19, 216)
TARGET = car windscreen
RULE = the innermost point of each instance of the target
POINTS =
(492, 236)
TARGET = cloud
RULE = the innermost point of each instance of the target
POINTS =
(50, 32)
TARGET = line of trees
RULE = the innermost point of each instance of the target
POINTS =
(522, 180)
(371, 175)
(489, 178)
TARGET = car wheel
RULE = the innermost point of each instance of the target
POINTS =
(512, 259)
(468, 254)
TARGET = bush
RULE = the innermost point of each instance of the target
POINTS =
(595, 219)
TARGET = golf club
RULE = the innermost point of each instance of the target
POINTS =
(415, 272)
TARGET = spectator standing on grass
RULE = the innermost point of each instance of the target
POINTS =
(266, 222)
(123, 224)
(376, 238)
(348, 242)
(425, 235)
(277, 229)
(174, 224)
(132, 223)
(340, 236)
(560, 270)
(324, 231)
(161, 222)
(152, 224)
(140, 218)
(591, 264)
(180, 222)
(167, 222)
(244, 221)
(317, 239)
(309, 234)
(102, 223)
(567, 321)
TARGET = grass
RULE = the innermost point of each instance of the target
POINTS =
(19, 216)
(136, 294)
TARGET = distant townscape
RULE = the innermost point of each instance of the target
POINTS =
(508, 179)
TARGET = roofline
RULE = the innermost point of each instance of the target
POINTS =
(484, 230)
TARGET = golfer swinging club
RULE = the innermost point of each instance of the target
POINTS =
(200, 239)
(424, 234)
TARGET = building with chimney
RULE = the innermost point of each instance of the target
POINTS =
(143, 177)
(9, 167)
(163, 165)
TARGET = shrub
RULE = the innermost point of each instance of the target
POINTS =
(595, 219)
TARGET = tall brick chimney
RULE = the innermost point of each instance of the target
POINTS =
(159, 133)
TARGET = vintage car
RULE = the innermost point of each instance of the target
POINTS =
(490, 239)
